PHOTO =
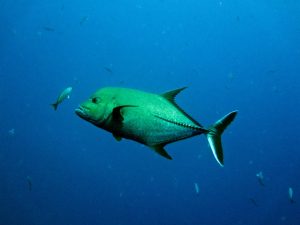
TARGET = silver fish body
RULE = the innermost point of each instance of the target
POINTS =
(291, 195)
(63, 95)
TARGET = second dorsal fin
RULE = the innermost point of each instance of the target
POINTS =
(170, 95)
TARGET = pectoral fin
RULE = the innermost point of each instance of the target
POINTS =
(117, 114)
(160, 150)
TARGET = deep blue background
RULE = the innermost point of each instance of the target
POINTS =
(231, 54)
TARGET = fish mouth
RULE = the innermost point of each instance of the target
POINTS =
(81, 112)
(84, 113)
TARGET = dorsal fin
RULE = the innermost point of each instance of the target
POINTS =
(170, 95)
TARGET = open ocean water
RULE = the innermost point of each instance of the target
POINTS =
(56, 169)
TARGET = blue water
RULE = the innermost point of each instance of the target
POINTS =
(233, 55)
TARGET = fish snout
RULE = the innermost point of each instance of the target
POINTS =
(82, 111)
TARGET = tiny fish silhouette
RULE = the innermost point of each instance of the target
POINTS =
(83, 20)
(49, 29)
(260, 178)
(109, 70)
(29, 182)
(291, 195)
(253, 201)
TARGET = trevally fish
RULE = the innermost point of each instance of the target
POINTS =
(64, 94)
(150, 119)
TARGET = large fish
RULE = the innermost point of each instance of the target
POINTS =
(151, 119)
(63, 95)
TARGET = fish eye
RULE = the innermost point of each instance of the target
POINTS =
(95, 100)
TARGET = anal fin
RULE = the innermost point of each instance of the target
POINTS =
(161, 151)
(117, 137)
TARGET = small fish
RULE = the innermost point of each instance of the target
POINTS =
(29, 182)
(231, 76)
(260, 178)
(109, 70)
(253, 201)
(65, 94)
(197, 188)
(150, 119)
(12, 132)
(271, 71)
(291, 194)
(50, 29)
(83, 20)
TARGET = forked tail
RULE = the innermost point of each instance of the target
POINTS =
(214, 136)
(54, 105)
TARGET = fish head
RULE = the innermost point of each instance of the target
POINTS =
(96, 109)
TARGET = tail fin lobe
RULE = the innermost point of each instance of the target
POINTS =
(214, 136)
(54, 105)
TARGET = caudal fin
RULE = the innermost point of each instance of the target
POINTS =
(54, 105)
(214, 136)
